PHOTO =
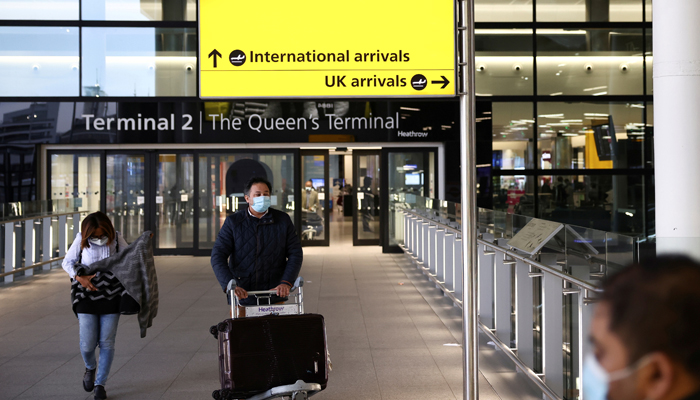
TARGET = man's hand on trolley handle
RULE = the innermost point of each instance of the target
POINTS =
(282, 290)
(241, 293)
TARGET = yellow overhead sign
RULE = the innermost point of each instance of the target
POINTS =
(325, 48)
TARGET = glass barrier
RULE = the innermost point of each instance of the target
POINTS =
(39, 208)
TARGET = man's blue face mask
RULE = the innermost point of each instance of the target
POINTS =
(261, 203)
(596, 380)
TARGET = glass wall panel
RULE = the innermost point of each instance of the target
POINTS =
(175, 201)
(126, 198)
(39, 9)
(649, 60)
(409, 178)
(39, 61)
(590, 135)
(504, 62)
(222, 177)
(140, 10)
(514, 194)
(76, 176)
(593, 62)
(589, 10)
(367, 215)
(513, 143)
(503, 10)
(608, 203)
(648, 11)
(139, 62)
(313, 197)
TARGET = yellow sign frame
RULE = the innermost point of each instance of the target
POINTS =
(324, 49)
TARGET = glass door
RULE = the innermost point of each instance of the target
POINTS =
(125, 201)
(315, 198)
(366, 219)
(174, 203)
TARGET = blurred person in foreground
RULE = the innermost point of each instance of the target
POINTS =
(646, 334)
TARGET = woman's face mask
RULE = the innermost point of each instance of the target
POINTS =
(99, 241)
(261, 203)
(596, 380)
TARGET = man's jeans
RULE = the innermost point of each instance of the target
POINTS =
(94, 330)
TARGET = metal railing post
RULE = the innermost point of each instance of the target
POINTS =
(486, 283)
(9, 250)
(62, 235)
(432, 247)
(46, 248)
(440, 254)
(524, 316)
(450, 261)
(502, 296)
(29, 246)
(552, 327)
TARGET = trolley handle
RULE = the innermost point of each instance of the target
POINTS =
(298, 284)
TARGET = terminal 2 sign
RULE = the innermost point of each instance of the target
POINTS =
(325, 49)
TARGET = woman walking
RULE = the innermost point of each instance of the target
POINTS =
(98, 299)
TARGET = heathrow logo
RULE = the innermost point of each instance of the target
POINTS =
(419, 82)
(237, 58)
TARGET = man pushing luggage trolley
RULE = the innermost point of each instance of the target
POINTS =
(281, 351)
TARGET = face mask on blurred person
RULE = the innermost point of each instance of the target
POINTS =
(596, 380)
(308, 188)
(99, 241)
(261, 203)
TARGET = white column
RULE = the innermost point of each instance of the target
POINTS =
(676, 118)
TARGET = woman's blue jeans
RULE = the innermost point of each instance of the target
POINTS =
(98, 330)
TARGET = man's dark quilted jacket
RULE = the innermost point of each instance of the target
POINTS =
(258, 253)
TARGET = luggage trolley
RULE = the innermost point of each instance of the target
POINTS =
(280, 341)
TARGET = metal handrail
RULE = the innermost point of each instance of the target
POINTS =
(568, 278)
(40, 216)
(544, 267)
(532, 375)
(39, 264)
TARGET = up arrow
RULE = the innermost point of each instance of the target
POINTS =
(215, 54)
(444, 80)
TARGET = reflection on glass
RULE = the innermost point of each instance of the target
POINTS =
(504, 63)
(590, 135)
(513, 128)
(39, 9)
(649, 62)
(39, 61)
(514, 194)
(76, 176)
(589, 10)
(139, 62)
(367, 192)
(648, 11)
(409, 179)
(126, 198)
(593, 62)
(313, 197)
(222, 178)
(503, 10)
(608, 203)
(175, 201)
(140, 10)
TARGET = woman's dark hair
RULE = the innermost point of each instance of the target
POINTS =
(255, 180)
(91, 223)
(655, 307)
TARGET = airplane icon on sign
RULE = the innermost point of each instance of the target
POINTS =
(239, 58)
(421, 82)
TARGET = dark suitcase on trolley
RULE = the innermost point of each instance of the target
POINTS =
(258, 354)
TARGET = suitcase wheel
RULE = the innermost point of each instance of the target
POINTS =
(226, 394)
(216, 395)
(222, 327)
(214, 330)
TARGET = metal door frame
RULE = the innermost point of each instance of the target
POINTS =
(355, 183)
(326, 209)
(384, 174)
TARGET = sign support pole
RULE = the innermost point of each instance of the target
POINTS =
(467, 98)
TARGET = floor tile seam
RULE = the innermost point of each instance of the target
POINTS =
(371, 353)
(419, 332)
(44, 377)
(112, 373)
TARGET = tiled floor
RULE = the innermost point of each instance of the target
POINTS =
(386, 340)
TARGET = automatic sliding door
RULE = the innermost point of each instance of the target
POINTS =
(367, 210)
(126, 196)
(174, 202)
(315, 201)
